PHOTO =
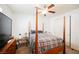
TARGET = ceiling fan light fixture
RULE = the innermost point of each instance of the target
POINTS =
(44, 14)
(44, 11)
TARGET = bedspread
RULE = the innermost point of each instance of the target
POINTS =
(46, 41)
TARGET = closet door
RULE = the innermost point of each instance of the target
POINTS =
(75, 30)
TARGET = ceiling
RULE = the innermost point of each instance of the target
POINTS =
(30, 8)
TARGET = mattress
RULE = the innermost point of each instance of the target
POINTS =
(46, 41)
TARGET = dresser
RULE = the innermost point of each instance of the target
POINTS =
(9, 48)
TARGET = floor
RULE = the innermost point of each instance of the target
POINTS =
(71, 51)
(26, 50)
(23, 50)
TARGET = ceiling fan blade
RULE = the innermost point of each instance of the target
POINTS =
(52, 11)
(50, 6)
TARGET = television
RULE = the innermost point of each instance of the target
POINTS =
(5, 29)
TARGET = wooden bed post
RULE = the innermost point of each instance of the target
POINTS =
(64, 49)
(36, 38)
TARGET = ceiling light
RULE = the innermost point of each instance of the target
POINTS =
(44, 11)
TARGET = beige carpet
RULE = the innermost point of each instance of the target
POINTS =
(23, 50)
(23, 47)
(71, 51)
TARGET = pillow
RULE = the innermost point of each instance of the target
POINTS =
(40, 31)
(33, 31)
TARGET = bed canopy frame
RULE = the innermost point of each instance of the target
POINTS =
(54, 50)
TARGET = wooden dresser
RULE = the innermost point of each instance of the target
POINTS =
(9, 48)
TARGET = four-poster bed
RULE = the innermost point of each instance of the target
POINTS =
(52, 40)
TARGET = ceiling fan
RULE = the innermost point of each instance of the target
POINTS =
(46, 9)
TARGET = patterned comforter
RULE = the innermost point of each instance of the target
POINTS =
(46, 41)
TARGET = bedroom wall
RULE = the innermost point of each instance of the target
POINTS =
(6, 10)
(21, 23)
